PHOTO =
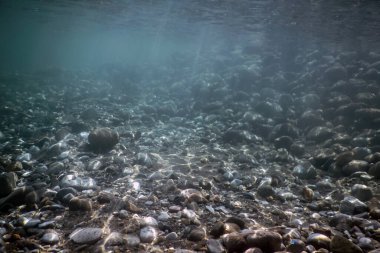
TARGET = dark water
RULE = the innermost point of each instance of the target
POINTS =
(88, 34)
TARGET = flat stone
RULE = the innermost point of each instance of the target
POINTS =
(86, 235)
(78, 183)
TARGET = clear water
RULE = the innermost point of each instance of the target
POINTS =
(37, 34)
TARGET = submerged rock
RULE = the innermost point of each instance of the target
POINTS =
(103, 139)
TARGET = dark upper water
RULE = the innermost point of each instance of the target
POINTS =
(38, 34)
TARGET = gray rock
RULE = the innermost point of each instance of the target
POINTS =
(305, 171)
(361, 192)
(148, 234)
(115, 238)
(86, 235)
(351, 205)
(171, 236)
(132, 240)
(340, 244)
(214, 246)
(51, 237)
(265, 191)
(56, 168)
(234, 242)
(79, 183)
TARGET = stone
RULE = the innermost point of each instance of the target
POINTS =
(305, 171)
(215, 246)
(196, 235)
(296, 246)
(319, 134)
(344, 158)
(374, 170)
(354, 166)
(361, 192)
(265, 191)
(64, 191)
(171, 236)
(103, 139)
(351, 205)
(253, 250)
(132, 240)
(77, 204)
(236, 220)
(86, 235)
(114, 239)
(51, 237)
(267, 241)
(319, 241)
(78, 183)
(7, 183)
(148, 234)
(340, 244)
(234, 242)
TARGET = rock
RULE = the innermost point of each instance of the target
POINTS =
(7, 183)
(354, 166)
(319, 241)
(283, 142)
(234, 242)
(51, 237)
(196, 235)
(267, 241)
(86, 235)
(103, 139)
(63, 192)
(253, 250)
(351, 205)
(320, 134)
(214, 246)
(171, 236)
(265, 191)
(217, 229)
(340, 244)
(114, 239)
(344, 158)
(305, 171)
(361, 192)
(296, 246)
(132, 240)
(148, 234)
(375, 170)
(78, 183)
(335, 73)
(237, 221)
(77, 204)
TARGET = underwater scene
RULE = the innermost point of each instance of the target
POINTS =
(184, 126)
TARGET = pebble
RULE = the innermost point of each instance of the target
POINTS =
(78, 183)
(113, 239)
(197, 234)
(214, 246)
(77, 204)
(164, 216)
(361, 192)
(319, 241)
(351, 205)
(234, 242)
(7, 183)
(267, 241)
(103, 139)
(50, 237)
(86, 235)
(148, 234)
(132, 240)
(171, 236)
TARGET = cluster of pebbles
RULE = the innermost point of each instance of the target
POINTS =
(243, 158)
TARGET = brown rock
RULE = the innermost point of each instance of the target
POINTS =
(267, 241)
(77, 204)
(218, 229)
(319, 241)
(196, 235)
(234, 242)
(344, 158)
(340, 244)
(103, 139)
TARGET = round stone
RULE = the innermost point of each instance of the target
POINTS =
(362, 192)
(148, 234)
(319, 241)
(50, 238)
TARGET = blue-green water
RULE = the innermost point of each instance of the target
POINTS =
(88, 34)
